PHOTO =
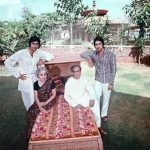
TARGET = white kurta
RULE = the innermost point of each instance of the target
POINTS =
(26, 65)
(78, 91)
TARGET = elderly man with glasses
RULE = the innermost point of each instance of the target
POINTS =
(78, 93)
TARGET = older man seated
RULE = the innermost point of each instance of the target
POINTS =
(78, 93)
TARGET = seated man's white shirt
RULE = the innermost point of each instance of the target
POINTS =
(78, 91)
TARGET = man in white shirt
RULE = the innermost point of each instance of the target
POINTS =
(28, 60)
(79, 92)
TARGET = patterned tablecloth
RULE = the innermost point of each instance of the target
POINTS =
(64, 121)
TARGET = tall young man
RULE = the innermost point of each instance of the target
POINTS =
(105, 70)
(28, 60)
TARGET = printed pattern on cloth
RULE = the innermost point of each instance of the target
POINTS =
(59, 84)
(64, 121)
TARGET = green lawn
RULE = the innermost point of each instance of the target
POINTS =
(129, 114)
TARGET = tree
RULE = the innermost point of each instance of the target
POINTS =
(55, 21)
(70, 10)
(139, 13)
(97, 26)
(122, 34)
(15, 34)
(11, 33)
(41, 24)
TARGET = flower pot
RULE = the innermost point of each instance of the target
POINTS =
(99, 12)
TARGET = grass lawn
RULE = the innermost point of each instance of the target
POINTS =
(128, 126)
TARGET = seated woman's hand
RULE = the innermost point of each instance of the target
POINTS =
(91, 103)
(43, 110)
(43, 103)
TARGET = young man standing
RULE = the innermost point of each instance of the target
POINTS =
(28, 60)
(105, 70)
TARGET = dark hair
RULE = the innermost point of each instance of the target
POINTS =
(99, 38)
(34, 38)
(74, 66)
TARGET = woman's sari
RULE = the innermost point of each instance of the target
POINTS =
(44, 93)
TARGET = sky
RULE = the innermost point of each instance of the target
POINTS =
(12, 9)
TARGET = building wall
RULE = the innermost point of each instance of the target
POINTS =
(124, 54)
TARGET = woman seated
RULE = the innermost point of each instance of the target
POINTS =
(45, 93)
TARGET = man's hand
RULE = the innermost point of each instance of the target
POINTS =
(90, 62)
(79, 106)
(91, 103)
(22, 76)
(41, 62)
(110, 87)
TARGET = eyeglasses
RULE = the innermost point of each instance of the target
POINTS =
(77, 71)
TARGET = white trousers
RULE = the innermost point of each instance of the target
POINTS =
(99, 89)
(28, 98)
(96, 111)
